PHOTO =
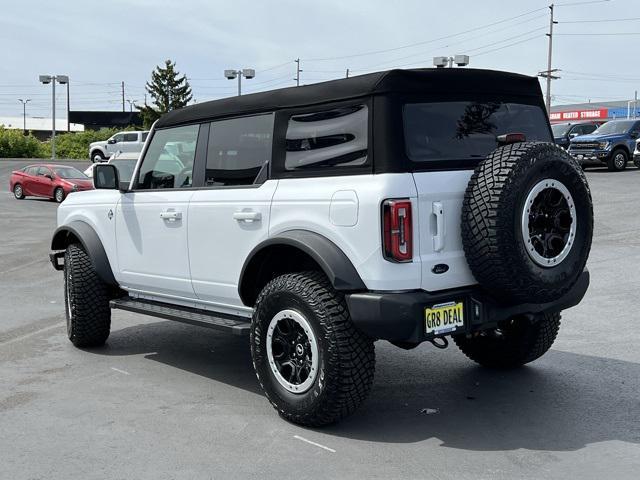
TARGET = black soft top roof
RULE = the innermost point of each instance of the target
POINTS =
(426, 80)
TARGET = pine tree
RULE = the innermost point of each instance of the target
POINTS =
(168, 89)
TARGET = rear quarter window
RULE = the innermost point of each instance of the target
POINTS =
(441, 131)
(327, 139)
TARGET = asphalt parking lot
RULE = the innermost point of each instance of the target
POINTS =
(164, 400)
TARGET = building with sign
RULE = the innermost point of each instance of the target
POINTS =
(602, 111)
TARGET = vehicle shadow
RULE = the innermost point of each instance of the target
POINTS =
(562, 402)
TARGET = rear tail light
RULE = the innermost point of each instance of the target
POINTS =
(397, 230)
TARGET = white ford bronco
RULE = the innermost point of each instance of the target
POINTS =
(407, 206)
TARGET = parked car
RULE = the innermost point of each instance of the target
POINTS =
(636, 154)
(563, 133)
(48, 180)
(409, 205)
(124, 162)
(129, 142)
(612, 144)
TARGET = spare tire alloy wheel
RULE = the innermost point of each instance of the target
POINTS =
(549, 222)
(527, 222)
(293, 351)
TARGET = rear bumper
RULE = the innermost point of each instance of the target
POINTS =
(400, 316)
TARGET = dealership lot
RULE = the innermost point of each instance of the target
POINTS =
(165, 400)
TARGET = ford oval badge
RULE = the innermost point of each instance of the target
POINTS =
(440, 268)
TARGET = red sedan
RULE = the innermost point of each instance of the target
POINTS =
(48, 180)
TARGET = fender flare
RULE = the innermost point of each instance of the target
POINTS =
(331, 259)
(91, 243)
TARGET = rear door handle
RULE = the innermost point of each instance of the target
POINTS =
(247, 216)
(438, 238)
(171, 215)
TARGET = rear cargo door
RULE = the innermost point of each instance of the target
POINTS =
(444, 141)
(439, 209)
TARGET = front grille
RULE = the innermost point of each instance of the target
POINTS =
(585, 146)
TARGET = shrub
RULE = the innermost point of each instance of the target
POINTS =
(14, 144)
(76, 144)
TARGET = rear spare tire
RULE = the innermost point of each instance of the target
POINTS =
(527, 222)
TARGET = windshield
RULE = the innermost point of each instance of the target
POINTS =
(68, 172)
(561, 129)
(467, 130)
(615, 127)
(125, 168)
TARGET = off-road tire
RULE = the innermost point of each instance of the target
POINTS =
(516, 343)
(18, 191)
(613, 165)
(492, 212)
(57, 196)
(346, 356)
(86, 300)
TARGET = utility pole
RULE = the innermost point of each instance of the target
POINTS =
(123, 96)
(548, 73)
(347, 73)
(24, 113)
(298, 71)
(68, 105)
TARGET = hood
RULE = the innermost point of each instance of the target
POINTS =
(98, 144)
(82, 183)
(597, 138)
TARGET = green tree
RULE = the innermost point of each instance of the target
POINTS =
(168, 89)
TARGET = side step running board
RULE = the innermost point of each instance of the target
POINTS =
(193, 316)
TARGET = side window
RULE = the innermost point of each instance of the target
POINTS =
(130, 137)
(144, 136)
(587, 129)
(32, 171)
(168, 162)
(118, 137)
(327, 138)
(239, 150)
(43, 171)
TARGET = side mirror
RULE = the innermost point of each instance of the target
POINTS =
(573, 135)
(634, 134)
(111, 141)
(49, 176)
(105, 177)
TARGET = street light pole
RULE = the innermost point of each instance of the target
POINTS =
(24, 114)
(52, 79)
(247, 73)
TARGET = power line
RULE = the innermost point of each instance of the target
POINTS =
(507, 46)
(615, 34)
(375, 52)
(603, 20)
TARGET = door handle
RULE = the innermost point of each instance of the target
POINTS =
(171, 215)
(438, 238)
(247, 216)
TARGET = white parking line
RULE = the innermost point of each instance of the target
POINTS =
(120, 371)
(23, 337)
(298, 437)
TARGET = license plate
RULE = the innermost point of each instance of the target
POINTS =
(444, 318)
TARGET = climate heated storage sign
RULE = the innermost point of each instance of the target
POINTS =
(593, 114)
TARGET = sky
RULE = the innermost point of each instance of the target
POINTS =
(100, 43)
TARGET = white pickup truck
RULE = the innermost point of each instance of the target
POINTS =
(120, 142)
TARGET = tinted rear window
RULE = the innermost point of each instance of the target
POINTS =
(440, 131)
